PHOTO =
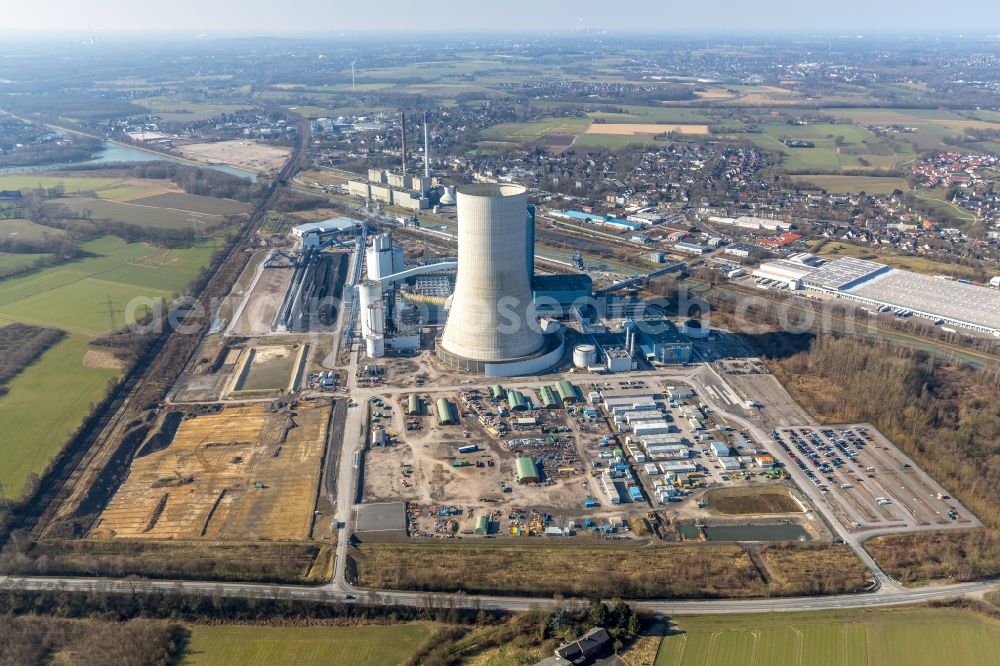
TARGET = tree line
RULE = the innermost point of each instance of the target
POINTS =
(20, 344)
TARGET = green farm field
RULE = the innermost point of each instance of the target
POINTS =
(45, 404)
(69, 296)
(367, 645)
(71, 184)
(26, 230)
(860, 148)
(133, 212)
(8, 261)
(171, 110)
(915, 637)
(614, 141)
(524, 132)
(855, 184)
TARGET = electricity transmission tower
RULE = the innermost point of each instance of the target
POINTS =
(111, 308)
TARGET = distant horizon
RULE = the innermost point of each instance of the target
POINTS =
(183, 34)
(395, 17)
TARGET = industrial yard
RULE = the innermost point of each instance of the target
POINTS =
(595, 461)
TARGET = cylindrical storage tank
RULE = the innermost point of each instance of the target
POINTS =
(489, 320)
(584, 356)
(368, 294)
(372, 318)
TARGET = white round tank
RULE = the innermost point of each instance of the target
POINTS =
(584, 356)
(448, 196)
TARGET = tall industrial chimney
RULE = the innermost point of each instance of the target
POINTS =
(403, 130)
(427, 150)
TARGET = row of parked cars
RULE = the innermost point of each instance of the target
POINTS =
(824, 455)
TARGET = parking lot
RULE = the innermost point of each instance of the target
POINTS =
(867, 482)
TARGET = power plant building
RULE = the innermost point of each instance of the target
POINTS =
(383, 258)
(490, 326)
(659, 340)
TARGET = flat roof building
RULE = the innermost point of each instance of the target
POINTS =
(841, 274)
(950, 301)
(787, 272)
(660, 341)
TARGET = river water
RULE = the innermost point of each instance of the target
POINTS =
(113, 152)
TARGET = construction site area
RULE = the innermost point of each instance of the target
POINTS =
(227, 473)
(566, 459)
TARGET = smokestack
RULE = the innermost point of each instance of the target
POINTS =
(427, 150)
(403, 130)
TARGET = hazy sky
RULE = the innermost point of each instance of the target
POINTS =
(334, 16)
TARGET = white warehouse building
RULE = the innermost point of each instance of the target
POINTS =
(788, 273)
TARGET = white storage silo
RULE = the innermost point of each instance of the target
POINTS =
(584, 356)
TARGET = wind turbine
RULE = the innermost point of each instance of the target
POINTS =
(353, 88)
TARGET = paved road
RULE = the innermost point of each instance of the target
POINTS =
(340, 593)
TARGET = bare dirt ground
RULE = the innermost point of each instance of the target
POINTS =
(100, 358)
(420, 470)
(243, 473)
(628, 129)
(243, 154)
(262, 303)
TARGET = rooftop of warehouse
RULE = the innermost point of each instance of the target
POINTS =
(949, 299)
(843, 272)
(325, 226)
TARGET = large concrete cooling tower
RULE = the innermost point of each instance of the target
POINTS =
(488, 320)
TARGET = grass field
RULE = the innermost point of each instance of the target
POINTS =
(34, 422)
(936, 198)
(678, 570)
(752, 501)
(68, 296)
(859, 149)
(630, 129)
(366, 645)
(26, 230)
(176, 110)
(136, 213)
(526, 132)
(854, 184)
(8, 261)
(923, 265)
(915, 637)
(71, 184)
(615, 141)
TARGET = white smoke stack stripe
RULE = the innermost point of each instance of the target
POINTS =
(427, 150)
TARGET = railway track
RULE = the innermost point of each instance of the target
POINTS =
(170, 348)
